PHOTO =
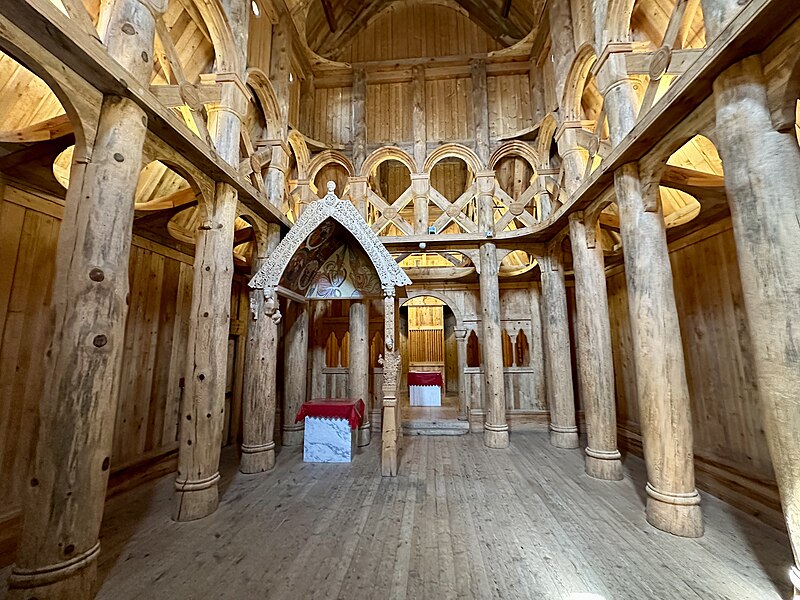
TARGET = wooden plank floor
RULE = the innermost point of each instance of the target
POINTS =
(461, 521)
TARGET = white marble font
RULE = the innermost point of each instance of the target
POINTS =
(328, 440)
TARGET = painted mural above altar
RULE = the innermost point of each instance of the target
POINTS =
(348, 273)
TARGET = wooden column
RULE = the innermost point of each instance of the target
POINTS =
(260, 390)
(480, 109)
(673, 503)
(420, 185)
(558, 363)
(63, 505)
(717, 14)
(203, 409)
(762, 177)
(317, 350)
(461, 352)
(495, 427)
(595, 360)
(305, 196)
(358, 194)
(358, 376)
(418, 125)
(359, 104)
(258, 398)
(390, 422)
(295, 336)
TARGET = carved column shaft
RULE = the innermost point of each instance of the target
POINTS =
(390, 422)
(461, 353)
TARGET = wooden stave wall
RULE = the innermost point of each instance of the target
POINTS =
(153, 360)
(731, 455)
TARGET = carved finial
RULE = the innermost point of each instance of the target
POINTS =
(331, 185)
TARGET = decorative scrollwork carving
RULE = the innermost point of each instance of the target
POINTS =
(343, 211)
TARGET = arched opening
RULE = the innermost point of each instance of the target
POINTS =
(390, 180)
(429, 354)
(473, 350)
(693, 184)
(332, 172)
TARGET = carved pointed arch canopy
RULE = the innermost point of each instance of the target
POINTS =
(391, 275)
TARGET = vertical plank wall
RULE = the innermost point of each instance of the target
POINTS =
(731, 456)
(154, 350)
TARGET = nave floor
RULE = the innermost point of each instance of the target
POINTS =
(461, 521)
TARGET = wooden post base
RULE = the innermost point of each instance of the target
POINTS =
(564, 437)
(195, 499)
(602, 464)
(675, 513)
(73, 578)
(365, 434)
(293, 436)
(257, 459)
(495, 436)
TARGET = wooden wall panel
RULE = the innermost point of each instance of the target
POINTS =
(388, 112)
(415, 30)
(448, 109)
(333, 119)
(154, 349)
(725, 406)
(509, 104)
(259, 43)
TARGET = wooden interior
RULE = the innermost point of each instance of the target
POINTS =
(595, 202)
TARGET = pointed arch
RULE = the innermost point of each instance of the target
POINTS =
(343, 211)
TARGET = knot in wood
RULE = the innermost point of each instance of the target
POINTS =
(99, 341)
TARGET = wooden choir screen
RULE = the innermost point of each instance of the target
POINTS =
(425, 332)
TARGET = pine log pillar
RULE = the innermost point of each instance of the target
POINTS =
(595, 361)
(316, 350)
(295, 339)
(358, 376)
(762, 179)
(461, 353)
(203, 409)
(63, 505)
(260, 391)
(420, 186)
(673, 503)
(358, 194)
(558, 363)
(495, 434)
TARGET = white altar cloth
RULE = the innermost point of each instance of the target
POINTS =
(425, 395)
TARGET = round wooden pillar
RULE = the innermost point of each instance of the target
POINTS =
(294, 371)
(595, 361)
(260, 388)
(673, 503)
(358, 376)
(558, 363)
(762, 177)
(495, 433)
(65, 497)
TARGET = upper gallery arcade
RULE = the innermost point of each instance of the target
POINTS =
(577, 221)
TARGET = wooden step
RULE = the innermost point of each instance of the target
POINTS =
(435, 427)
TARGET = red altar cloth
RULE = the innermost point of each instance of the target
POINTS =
(333, 408)
(424, 378)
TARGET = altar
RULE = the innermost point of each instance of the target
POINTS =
(425, 388)
(331, 426)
